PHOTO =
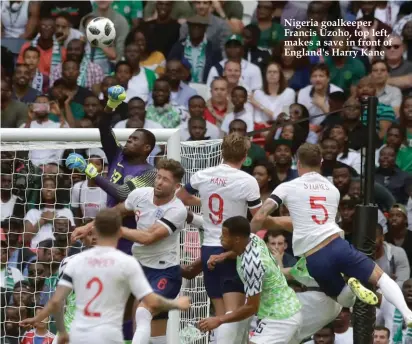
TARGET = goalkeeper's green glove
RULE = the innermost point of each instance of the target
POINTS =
(91, 171)
(116, 95)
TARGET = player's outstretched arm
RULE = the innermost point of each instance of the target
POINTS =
(191, 271)
(279, 223)
(51, 307)
(261, 215)
(247, 310)
(154, 234)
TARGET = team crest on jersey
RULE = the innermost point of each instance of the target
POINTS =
(137, 214)
(127, 178)
(159, 214)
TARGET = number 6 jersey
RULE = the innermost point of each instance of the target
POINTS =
(224, 192)
(313, 203)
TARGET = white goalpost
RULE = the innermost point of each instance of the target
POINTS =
(194, 156)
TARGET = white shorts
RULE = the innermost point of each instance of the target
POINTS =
(276, 331)
(318, 310)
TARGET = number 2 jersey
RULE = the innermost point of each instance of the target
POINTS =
(172, 215)
(313, 202)
(103, 278)
(224, 192)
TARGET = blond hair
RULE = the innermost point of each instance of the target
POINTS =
(235, 148)
(310, 155)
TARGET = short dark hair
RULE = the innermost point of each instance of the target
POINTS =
(59, 82)
(401, 129)
(238, 120)
(66, 16)
(163, 79)
(240, 88)
(35, 49)
(173, 166)
(383, 328)
(237, 226)
(320, 67)
(122, 63)
(310, 155)
(376, 61)
(71, 60)
(194, 119)
(108, 222)
(196, 97)
(149, 137)
(254, 30)
(273, 234)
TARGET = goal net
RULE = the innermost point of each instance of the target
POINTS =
(26, 165)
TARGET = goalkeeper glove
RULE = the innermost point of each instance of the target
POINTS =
(117, 95)
(76, 162)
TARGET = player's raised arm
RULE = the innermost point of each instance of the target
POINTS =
(109, 142)
(277, 223)
(187, 192)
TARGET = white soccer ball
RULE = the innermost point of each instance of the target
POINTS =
(100, 32)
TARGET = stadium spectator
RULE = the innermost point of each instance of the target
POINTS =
(330, 151)
(76, 9)
(92, 109)
(240, 110)
(341, 327)
(277, 244)
(389, 175)
(161, 110)
(13, 333)
(123, 73)
(218, 29)
(40, 334)
(36, 276)
(22, 90)
(252, 52)
(398, 233)
(136, 109)
(315, 96)
(149, 58)
(180, 92)
(51, 53)
(39, 222)
(23, 296)
(405, 119)
(131, 10)
(324, 336)
(143, 79)
(11, 204)
(263, 171)
(391, 259)
(232, 73)
(13, 113)
(180, 10)
(347, 207)
(282, 157)
(64, 31)
(341, 177)
(275, 97)
(19, 19)
(70, 75)
(197, 50)
(387, 94)
(165, 28)
(62, 107)
(346, 155)
(381, 335)
(197, 108)
(197, 129)
(234, 51)
(89, 73)
(39, 81)
(218, 106)
(9, 275)
(271, 32)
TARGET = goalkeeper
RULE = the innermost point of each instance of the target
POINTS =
(128, 166)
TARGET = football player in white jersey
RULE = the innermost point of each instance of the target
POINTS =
(313, 202)
(103, 278)
(160, 216)
(225, 191)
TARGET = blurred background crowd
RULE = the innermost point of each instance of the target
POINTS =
(209, 68)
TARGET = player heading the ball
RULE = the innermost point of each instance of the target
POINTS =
(313, 205)
(103, 278)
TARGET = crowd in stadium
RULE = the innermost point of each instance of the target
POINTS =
(210, 68)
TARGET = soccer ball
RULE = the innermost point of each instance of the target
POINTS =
(100, 32)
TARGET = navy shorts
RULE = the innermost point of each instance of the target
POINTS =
(224, 278)
(165, 282)
(339, 257)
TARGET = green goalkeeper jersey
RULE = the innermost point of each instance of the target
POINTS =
(261, 274)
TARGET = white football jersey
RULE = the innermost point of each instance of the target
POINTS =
(103, 278)
(225, 192)
(313, 203)
(164, 253)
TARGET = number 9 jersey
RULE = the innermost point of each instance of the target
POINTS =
(224, 192)
(313, 202)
